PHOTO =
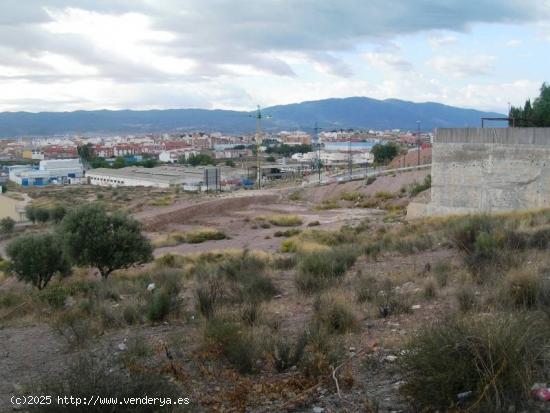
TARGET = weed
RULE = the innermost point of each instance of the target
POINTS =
(284, 220)
(497, 358)
(334, 313)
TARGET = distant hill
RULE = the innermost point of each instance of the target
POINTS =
(353, 112)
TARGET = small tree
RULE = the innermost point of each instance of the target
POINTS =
(57, 213)
(107, 242)
(41, 215)
(36, 258)
(230, 163)
(7, 225)
(384, 153)
(30, 213)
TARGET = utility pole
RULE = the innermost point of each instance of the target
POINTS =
(258, 115)
(350, 163)
(316, 131)
(418, 141)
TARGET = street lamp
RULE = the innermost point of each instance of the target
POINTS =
(418, 140)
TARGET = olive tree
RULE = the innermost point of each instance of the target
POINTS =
(7, 225)
(105, 241)
(36, 258)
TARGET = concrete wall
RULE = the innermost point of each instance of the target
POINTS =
(490, 170)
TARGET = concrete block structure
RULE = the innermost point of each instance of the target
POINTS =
(488, 170)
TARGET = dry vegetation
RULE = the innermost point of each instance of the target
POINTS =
(440, 314)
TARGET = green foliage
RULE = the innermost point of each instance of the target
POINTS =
(119, 162)
(37, 258)
(287, 354)
(416, 188)
(107, 242)
(197, 160)
(497, 357)
(230, 163)
(270, 159)
(288, 150)
(159, 306)
(238, 346)
(57, 213)
(30, 213)
(334, 314)
(535, 115)
(384, 153)
(7, 225)
(85, 152)
(317, 270)
(202, 235)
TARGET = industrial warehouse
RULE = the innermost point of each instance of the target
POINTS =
(190, 179)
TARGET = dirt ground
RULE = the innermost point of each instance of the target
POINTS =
(32, 351)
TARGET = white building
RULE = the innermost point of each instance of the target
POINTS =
(174, 155)
(58, 171)
(189, 178)
(330, 158)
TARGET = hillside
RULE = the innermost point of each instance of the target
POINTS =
(353, 112)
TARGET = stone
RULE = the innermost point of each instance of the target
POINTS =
(151, 287)
(416, 307)
(391, 358)
(317, 409)
(122, 347)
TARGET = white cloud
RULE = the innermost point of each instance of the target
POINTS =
(438, 42)
(386, 60)
(463, 66)
(513, 43)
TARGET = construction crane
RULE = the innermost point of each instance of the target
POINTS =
(259, 116)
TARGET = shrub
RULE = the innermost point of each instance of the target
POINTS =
(295, 196)
(90, 377)
(442, 269)
(391, 302)
(498, 358)
(525, 289)
(37, 258)
(159, 306)
(55, 297)
(287, 354)
(321, 352)
(466, 298)
(7, 225)
(284, 220)
(313, 224)
(41, 215)
(430, 288)
(287, 233)
(370, 180)
(107, 242)
(247, 271)
(209, 296)
(57, 213)
(317, 270)
(202, 235)
(239, 347)
(366, 289)
(416, 188)
(334, 314)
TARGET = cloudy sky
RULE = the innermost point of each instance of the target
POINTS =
(59, 55)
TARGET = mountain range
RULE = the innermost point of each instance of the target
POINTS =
(329, 114)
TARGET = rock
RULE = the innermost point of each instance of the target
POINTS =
(391, 358)
(151, 287)
(278, 296)
(122, 347)
(416, 307)
(317, 409)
